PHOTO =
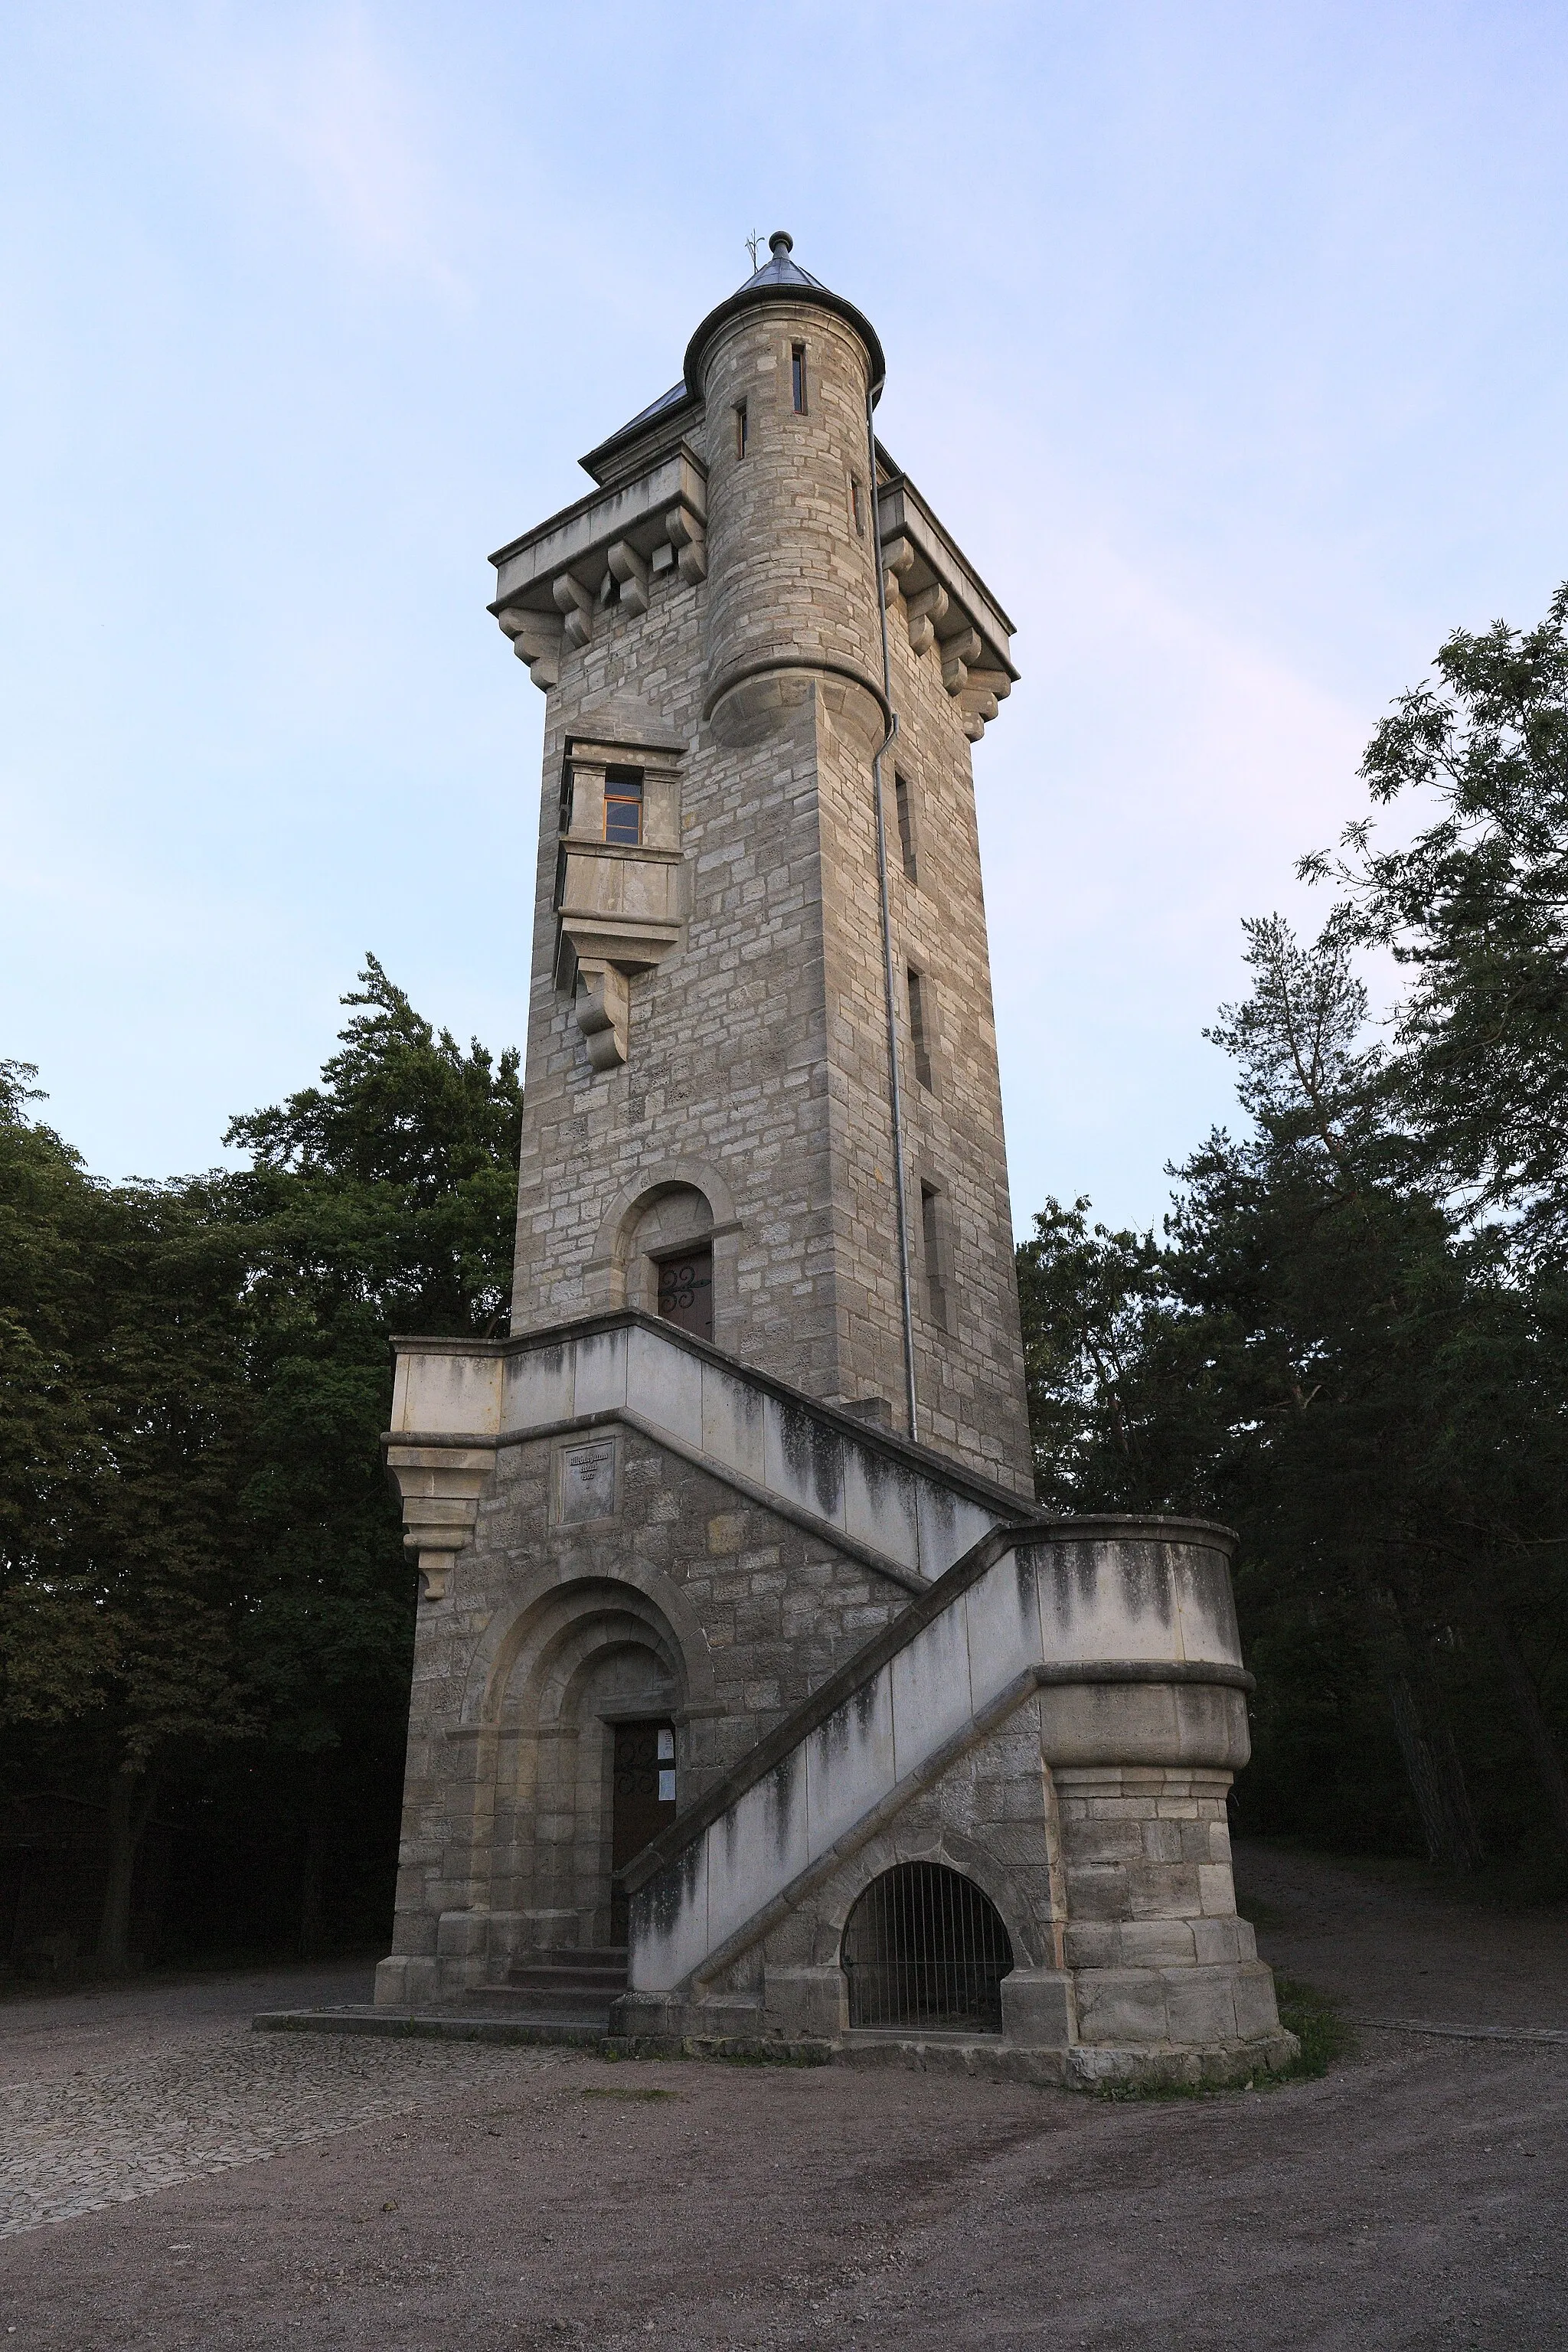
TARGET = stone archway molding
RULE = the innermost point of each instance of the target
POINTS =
(549, 1591)
(947, 1845)
(604, 1274)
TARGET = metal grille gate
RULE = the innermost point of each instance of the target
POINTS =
(924, 1947)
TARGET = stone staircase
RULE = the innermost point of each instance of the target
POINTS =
(574, 1987)
(1054, 1714)
(1104, 1650)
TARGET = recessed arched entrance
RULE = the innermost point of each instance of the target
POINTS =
(580, 1758)
(924, 1949)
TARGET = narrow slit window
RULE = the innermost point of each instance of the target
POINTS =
(743, 428)
(797, 377)
(906, 828)
(919, 1038)
(858, 503)
(623, 805)
(931, 1243)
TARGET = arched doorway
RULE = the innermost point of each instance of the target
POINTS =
(924, 1947)
(587, 1698)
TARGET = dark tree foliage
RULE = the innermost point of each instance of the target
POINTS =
(1477, 909)
(1352, 1340)
(124, 1425)
(205, 1600)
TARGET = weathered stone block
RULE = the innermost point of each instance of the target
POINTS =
(1200, 2005)
(1037, 2007)
(1096, 1891)
(1257, 2007)
(1120, 2005)
(802, 2001)
(1156, 1943)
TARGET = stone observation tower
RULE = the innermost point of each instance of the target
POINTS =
(753, 1702)
(708, 1063)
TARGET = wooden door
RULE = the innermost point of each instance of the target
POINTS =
(642, 1804)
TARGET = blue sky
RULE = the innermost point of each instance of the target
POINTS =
(1228, 342)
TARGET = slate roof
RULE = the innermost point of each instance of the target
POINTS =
(778, 269)
(778, 279)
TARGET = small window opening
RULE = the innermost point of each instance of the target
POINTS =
(931, 1243)
(906, 829)
(742, 428)
(925, 1946)
(686, 1289)
(623, 805)
(919, 1037)
(797, 377)
(858, 503)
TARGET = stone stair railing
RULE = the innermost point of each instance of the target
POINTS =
(1125, 1632)
(900, 1510)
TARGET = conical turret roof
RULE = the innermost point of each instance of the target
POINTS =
(780, 279)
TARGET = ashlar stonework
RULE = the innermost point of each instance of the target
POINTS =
(735, 1598)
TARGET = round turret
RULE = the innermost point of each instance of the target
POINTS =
(785, 369)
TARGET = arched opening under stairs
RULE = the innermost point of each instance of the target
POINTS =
(924, 1949)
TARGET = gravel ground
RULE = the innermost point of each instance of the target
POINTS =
(171, 2178)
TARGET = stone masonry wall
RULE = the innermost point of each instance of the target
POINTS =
(969, 1354)
(758, 1048)
(1153, 1939)
(742, 1615)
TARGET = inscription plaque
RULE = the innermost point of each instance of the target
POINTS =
(588, 1481)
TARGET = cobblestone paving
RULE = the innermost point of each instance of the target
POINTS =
(99, 2137)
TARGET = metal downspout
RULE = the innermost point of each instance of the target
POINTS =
(895, 1095)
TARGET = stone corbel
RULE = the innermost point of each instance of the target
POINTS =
(575, 600)
(627, 566)
(690, 540)
(898, 555)
(536, 640)
(980, 699)
(957, 653)
(604, 1014)
(440, 1486)
(925, 610)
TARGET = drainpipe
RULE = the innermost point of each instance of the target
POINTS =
(895, 1097)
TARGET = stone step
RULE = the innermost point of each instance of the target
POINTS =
(571, 1982)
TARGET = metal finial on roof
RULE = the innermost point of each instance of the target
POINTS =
(752, 242)
(780, 243)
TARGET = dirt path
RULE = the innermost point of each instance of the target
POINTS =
(445, 2197)
(1389, 1941)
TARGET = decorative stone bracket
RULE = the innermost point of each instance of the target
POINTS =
(687, 535)
(574, 602)
(440, 1486)
(536, 640)
(946, 609)
(604, 1014)
(606, 550)
(629, 568)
